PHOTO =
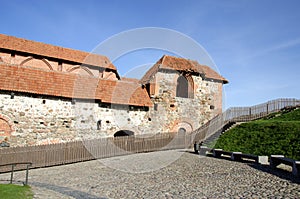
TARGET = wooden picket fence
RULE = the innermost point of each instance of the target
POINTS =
(242, 114)
(71, 152)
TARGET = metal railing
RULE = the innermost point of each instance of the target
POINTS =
(13, 168)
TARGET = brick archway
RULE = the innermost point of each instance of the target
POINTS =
(6, 128)
(182, 126)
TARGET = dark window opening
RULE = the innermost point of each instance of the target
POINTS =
(44, 101)
(123, 133)
(148, 89)
(98, 124)
(155, 107)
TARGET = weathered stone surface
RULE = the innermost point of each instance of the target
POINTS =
(43, 120)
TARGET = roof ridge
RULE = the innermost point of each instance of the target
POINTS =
(53, 51)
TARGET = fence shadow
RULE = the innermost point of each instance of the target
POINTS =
(66, 191)
(283, 174)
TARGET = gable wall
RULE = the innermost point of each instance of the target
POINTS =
(177, 112)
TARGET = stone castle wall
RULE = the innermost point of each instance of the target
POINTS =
(34, 120)
(38, 82)
(43, 120)
(174, 112)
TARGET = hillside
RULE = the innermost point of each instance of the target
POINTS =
(278, 134)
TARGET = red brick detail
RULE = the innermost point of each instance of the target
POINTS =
(6, 128)
(85, 69)
(182, 123)
(46, 50)
(53, 83)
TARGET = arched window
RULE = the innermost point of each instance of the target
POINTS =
(185, 87)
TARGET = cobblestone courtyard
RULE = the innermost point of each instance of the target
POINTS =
(183, 175)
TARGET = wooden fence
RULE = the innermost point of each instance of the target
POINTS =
(242, 114)
(71, 152)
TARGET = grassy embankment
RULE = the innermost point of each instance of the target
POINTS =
(13, 191)
(277, 134)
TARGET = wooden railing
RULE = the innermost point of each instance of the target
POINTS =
(242, 114)
(64, 153)
(71, 152)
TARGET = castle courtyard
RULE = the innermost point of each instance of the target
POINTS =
(185, 175)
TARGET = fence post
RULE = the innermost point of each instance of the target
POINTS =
(250, 112)
(26, 178)
(12, 173)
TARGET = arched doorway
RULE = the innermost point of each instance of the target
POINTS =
(181, 130)
(123, 133)
(182, 127)
(185, 87)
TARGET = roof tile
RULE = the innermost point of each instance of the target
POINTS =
(31, 80)
(180, 64)
(47, 50)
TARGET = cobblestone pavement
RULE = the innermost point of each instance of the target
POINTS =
(190, 176)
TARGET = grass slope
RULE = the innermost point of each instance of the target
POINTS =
(12, 191)
(279, 135)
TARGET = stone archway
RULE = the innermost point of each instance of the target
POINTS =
(182, 127)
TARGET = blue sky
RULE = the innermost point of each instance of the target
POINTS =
(255, 44)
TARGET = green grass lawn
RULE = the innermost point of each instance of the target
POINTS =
(12, 191)
(279, 135)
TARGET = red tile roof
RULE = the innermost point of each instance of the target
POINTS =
(47, 50)
(32, 80)
(181, 64)
(127, 79)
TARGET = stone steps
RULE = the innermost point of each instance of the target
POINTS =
(216, 135)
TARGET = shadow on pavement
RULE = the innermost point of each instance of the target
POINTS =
(66, 191)
(283, 174)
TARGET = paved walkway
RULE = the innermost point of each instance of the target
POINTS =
(183, 175)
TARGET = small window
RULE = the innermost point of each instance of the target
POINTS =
(99, 125)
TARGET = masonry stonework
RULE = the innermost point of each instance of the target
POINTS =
(51, 94)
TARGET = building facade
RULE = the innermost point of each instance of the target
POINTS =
(50, 94)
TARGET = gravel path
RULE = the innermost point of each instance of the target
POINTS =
(183, 175)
